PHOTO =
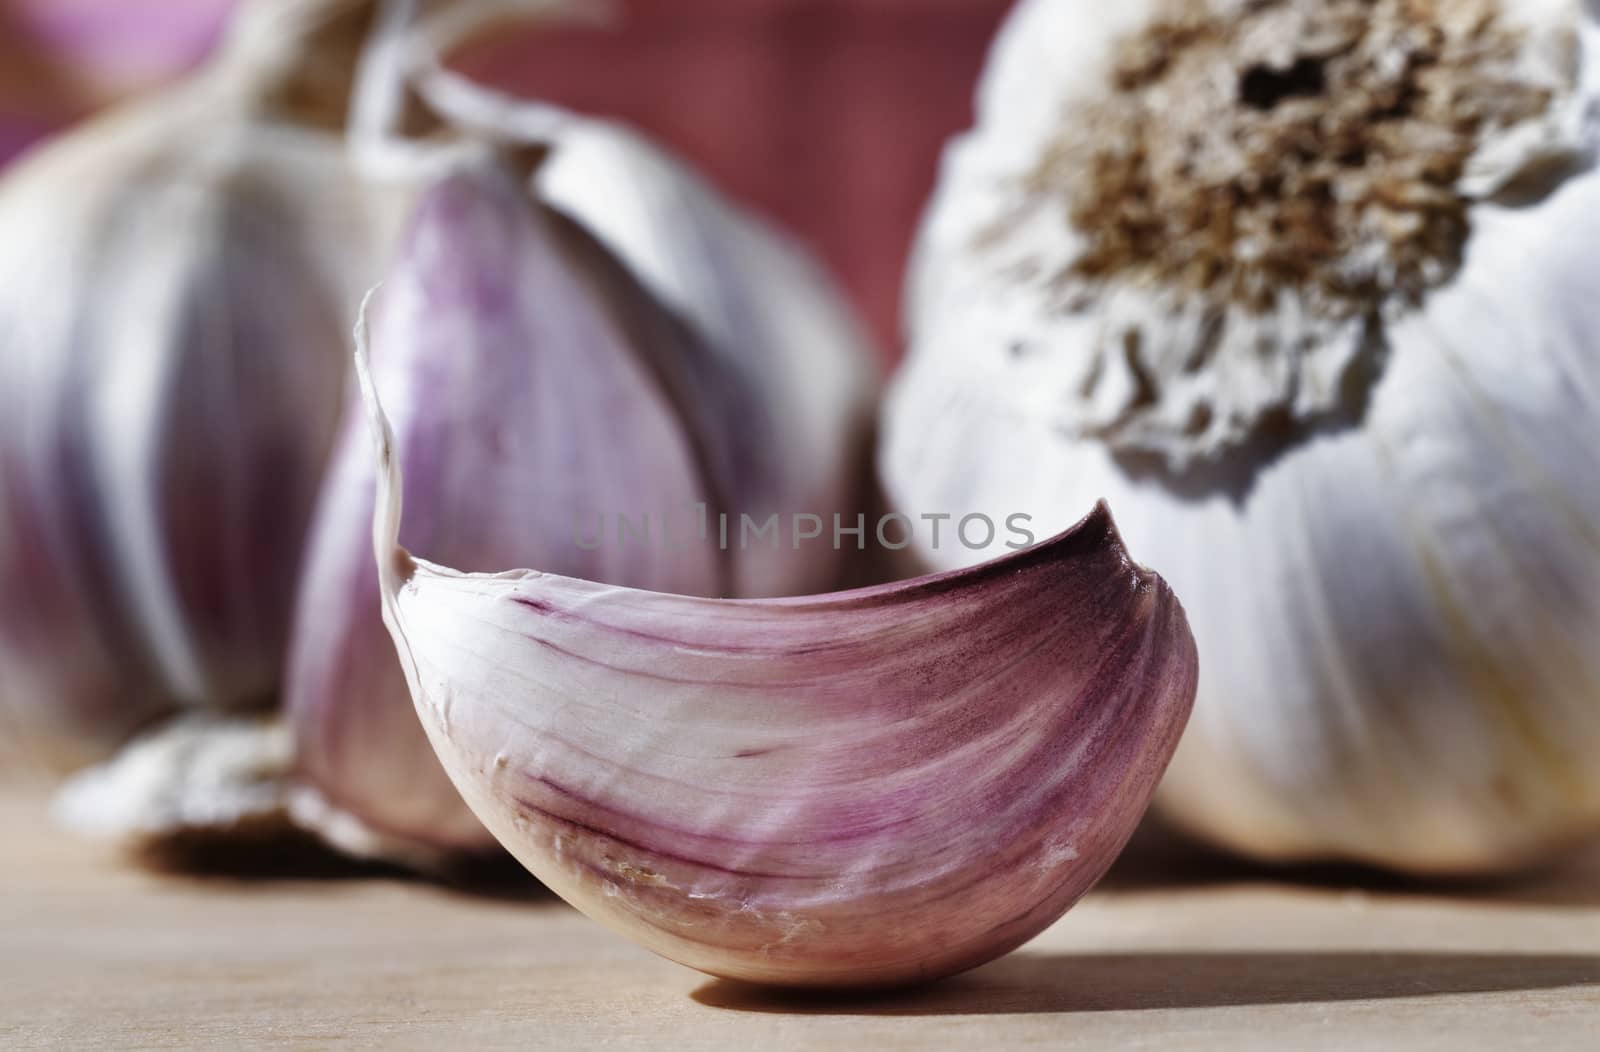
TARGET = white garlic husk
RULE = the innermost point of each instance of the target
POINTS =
(1352, 410)
(176, 281)
(592, 339)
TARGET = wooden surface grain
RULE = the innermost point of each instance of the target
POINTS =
(96, 953)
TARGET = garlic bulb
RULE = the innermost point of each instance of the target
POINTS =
(175, 284)
(871, 787)
(613, 349)
(1302, 288)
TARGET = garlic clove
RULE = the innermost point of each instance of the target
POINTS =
(763, 308)
(526, 375)
(765, 312)
(872, 787)
(1392, 600)
(687, 361)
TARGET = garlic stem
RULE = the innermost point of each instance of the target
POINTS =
(406, 52)
(297, 59)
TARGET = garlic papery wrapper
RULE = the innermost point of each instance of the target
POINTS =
(176, 279)
(587, 373)
(872, 787)
(1303, 289)
(200, 772)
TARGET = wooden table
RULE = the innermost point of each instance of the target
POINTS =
(98, 953)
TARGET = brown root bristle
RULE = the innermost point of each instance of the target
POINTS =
(1306, 145)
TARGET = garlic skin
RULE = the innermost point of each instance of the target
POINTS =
(221, 773)
(175, 280)
(1376, 510)
(542, 395)
(869, 788)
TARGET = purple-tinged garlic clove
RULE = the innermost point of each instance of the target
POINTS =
(539, 398)
(866, 788)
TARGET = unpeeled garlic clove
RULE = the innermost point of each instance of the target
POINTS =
(773, 326)
(873, 787)
(526, 374)
(603, 340)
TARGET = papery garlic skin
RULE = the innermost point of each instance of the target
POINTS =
(221, 773)
(1387, 543)
(174, 283)
(874, 787)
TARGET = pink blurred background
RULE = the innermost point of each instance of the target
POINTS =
(826, 115)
